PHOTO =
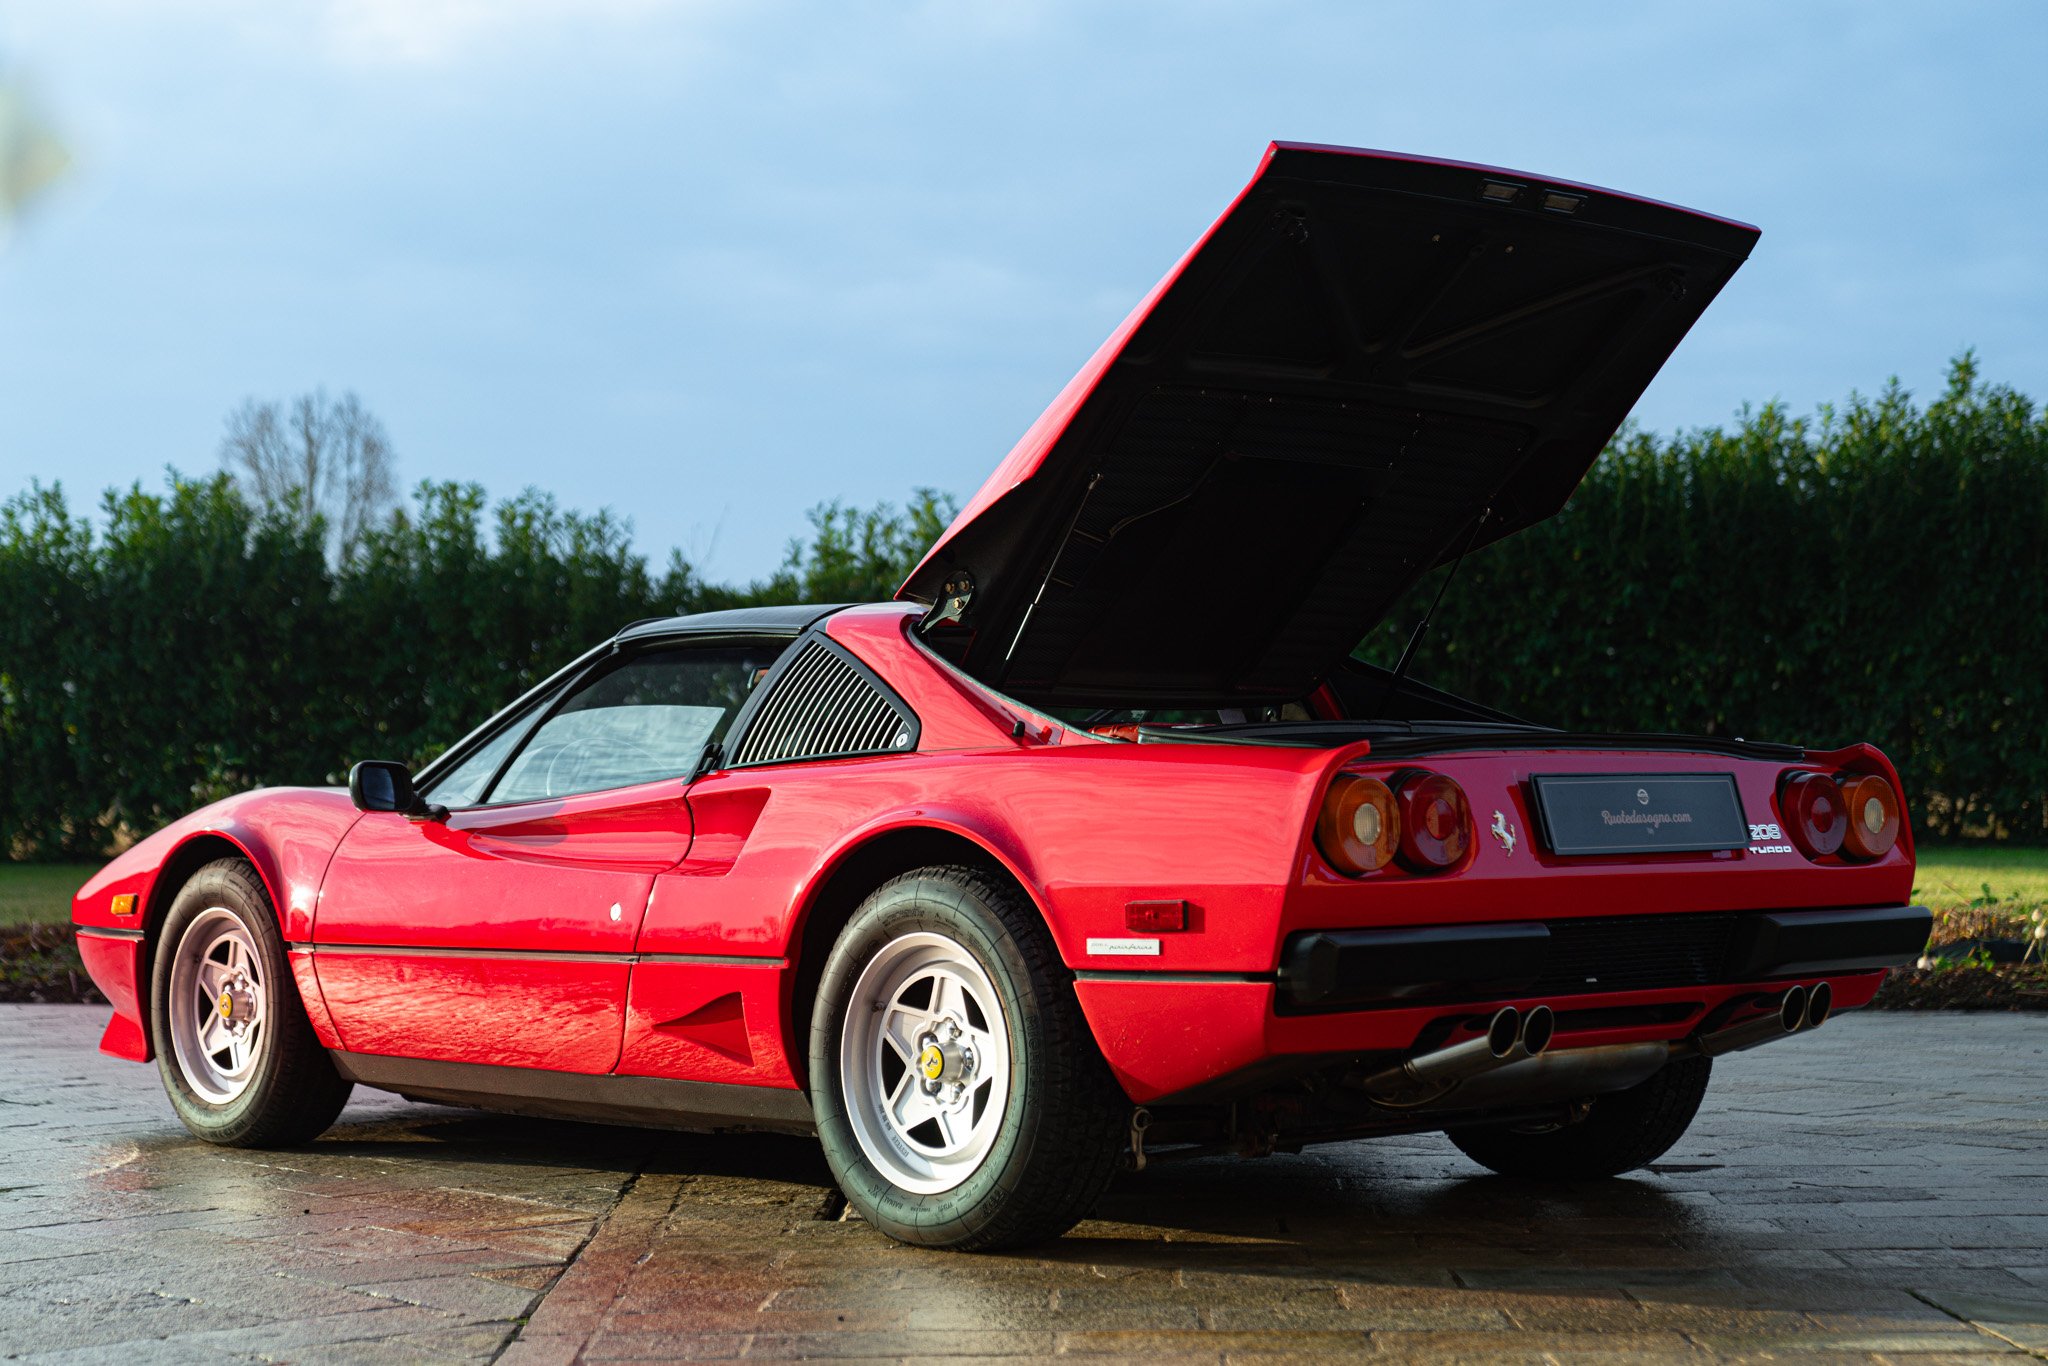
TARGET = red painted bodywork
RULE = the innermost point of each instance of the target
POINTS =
(659, 930)
(488, 938)
(425, 928)
(287, 833)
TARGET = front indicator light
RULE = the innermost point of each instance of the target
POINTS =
(1359, 827)
(1436, 822)
(1814, 812)
(1871, 810)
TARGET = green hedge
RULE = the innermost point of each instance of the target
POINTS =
(191, 646)
(1879, 572)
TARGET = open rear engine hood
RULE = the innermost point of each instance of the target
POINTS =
(1369, 360)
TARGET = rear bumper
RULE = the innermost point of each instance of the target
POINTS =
(1326, 970)
(1187, 1041)
(1202, 1037)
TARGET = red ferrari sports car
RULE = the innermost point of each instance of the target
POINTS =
(1098, 847)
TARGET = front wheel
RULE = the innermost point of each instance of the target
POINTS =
(959, 1096)
(1622, 1131)
(238, 1057)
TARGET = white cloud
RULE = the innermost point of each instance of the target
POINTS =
(353, 33)
(427, 32)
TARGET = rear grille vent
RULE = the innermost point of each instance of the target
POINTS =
(1635, 952)
(824, 705)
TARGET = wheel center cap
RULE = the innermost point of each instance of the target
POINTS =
(943, 1062)
(235, 1005)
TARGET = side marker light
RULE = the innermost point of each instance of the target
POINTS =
(1153, 917)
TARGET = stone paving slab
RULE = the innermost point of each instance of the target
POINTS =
(1877, 1192)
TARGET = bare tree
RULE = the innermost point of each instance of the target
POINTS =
(329, 460)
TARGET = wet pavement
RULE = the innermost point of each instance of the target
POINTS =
(1878, 1191)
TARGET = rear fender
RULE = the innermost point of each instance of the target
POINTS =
(998, 844)
(882, 848)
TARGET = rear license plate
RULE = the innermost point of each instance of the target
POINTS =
(1639, 813)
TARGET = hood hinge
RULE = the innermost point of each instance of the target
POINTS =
(956, 595)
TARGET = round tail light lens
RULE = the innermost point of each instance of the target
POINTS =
(1359, 827)
(1815, 814)
(1436, 822)
(1871, 816)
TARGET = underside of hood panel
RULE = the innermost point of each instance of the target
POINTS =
(1367, 363)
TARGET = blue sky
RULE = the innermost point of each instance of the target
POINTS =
(709, 262)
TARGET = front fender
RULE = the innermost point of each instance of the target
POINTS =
(287, 834)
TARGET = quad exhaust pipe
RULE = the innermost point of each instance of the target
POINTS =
(1797, 1009)
(1510, 1060)
(1511, 1036)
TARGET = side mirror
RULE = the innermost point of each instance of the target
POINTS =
(381, 785)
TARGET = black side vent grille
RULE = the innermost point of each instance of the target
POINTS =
(824, 705)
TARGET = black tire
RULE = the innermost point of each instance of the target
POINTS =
(1621, 1132)
(293, 1092)
(1064, 1122)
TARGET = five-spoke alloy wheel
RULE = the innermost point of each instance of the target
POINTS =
(925, 1062)
(219, 1004)
(238, 1057)
(958, 1093)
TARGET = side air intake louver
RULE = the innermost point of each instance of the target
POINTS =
(824, 704)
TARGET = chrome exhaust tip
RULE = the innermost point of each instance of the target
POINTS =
(1820, 1003)
(1787, 1018)
(1792, 1008)
(1432, 1074)
(1537, 1027)
(1503, 1031)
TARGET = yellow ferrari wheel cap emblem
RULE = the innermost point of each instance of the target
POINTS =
(227, 1005)
(931, 1062)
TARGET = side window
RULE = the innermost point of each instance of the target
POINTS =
(825, 704)
(464, 784)
(642, 719)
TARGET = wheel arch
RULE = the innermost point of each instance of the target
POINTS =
(846, 879)
(177, 869)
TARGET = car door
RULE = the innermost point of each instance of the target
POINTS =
(504, 933)
(825, 740)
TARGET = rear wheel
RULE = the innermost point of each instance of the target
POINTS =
(1621, 1132)
(238, 1057)
(959, 1095)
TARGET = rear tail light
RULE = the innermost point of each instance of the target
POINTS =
(1359, 827)
(1814, 812)
(1436, 822)
(1870, 816)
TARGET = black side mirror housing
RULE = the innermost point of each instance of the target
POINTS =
(382, 785)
